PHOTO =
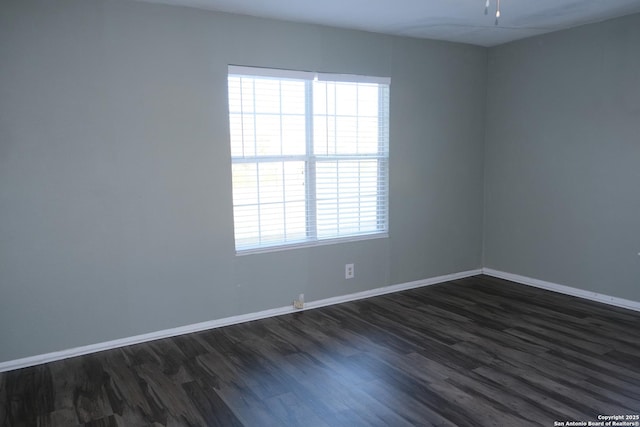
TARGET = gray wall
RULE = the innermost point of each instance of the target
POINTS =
(115, 188)
(562, 195)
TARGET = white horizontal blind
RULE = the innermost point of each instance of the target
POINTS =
(309, 156)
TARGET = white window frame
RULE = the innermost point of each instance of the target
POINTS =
(311, 159)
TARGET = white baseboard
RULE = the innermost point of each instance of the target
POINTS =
(390, 289)
(568, 290)
(212, 324)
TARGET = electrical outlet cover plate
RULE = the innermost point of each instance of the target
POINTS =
(349, 272)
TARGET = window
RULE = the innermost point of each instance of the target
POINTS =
(310, 157)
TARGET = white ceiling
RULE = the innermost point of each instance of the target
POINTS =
(453, 20)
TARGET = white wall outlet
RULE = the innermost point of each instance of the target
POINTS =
(349, 271)
(299, 303)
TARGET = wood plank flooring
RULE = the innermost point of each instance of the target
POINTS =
(473, 352)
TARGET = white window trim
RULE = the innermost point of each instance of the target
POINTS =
(306, 75)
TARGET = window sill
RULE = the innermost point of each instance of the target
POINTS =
(310, 244)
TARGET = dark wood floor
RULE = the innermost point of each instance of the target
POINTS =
(473, 352)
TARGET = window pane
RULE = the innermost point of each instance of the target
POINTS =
(272, 221)
(368, 100)
(268, 136)
(267, 96)
(294, 181)
(242, 129)
(320, 97)
(346, 99)
(246, 95)
(247, 227)
(293, 97)
(368, 135)
(271, 182)
(245, 184)
(235, 128)
(295, 207)
(235, 99)
(346, 135)
(347, 197)
(343, 133)
(295, 220)
(293, 135)
(324, 138)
